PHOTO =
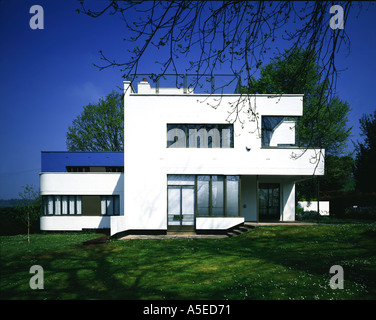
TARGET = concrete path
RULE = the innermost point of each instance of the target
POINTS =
(175, 236)
(283, 223)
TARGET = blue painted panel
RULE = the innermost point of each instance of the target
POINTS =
(57, 161)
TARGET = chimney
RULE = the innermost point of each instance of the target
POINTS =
(144, 86)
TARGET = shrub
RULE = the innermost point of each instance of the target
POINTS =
(363, 213)
(300, 214)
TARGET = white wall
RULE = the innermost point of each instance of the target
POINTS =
(312, 206)
(85, 183)
(217, 223)
(288, 201)
(73, 223)
(283, 134)
(249, 198)
(147, 160)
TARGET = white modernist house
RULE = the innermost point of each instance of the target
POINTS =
(193, 162)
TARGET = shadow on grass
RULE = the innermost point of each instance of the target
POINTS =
(279, 262)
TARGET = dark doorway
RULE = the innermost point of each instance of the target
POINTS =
(269, 201)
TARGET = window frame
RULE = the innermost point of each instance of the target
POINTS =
(78, 206)
(210, 214)
(279, 146)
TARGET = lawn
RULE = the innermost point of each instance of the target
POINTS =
(282, 262)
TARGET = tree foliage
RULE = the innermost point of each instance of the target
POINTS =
(338, 177)
(365, 162)
(28, 207)
(100, 127)
(324, 122)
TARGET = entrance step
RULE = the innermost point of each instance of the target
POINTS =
(180, 233)
(97, 240)
(239, 230)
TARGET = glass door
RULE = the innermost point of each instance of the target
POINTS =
(269, 201)
(181, 208)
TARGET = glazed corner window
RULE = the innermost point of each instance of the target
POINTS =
(200, 136)
(278, 131)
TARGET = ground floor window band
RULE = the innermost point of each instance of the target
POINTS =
(87, 205)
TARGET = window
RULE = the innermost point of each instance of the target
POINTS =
(95, 169)
(215, 196)
(218, 196)
(90, 205)
(200, 136)
(61, 205)
(203, 194)
(232, 196)
(110, 205)
(278, 131)
(78, 169)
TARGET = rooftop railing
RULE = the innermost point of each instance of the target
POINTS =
(188, 83)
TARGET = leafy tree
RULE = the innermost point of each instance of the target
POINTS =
(100, 127)
(338, 177)
(365, 162)
(28, 207)
(324, 123)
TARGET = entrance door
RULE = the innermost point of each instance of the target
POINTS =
(269, 202)
(181, 208)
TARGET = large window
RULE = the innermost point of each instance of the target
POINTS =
(218, 196)
(215, 195)
(90, 205)
(200, 136)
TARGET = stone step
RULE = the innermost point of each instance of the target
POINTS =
(239, 230)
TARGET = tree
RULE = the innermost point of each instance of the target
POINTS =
(28, 207)
(100, 127)
(324, 123)
(365, 161)
(236, 35)
(338, 177)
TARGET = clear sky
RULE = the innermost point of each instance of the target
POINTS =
(47, 76)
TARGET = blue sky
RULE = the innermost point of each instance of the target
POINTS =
(47, 76)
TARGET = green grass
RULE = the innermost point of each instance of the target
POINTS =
(284, 262)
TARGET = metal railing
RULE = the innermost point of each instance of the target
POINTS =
(190, 83)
